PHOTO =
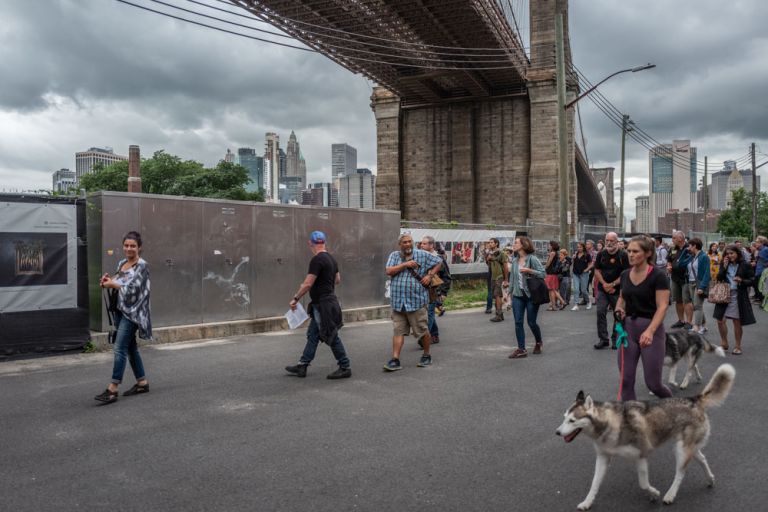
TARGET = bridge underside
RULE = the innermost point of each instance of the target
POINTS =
(466, 123)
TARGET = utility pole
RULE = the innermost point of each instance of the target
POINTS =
(624, 123)
(706, 196)
(562, 130)
(754, 194)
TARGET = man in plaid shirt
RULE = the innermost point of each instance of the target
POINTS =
(410, 270)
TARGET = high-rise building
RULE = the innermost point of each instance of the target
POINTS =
(343, 160)
(318, 194)
(357, 190)
(721, 182)
(85, 160)
(672, 176)
(255, 164)
(272, 155)
(229, 157)
(283, 159)
(642, 215)
(290, 189)
(64, 180)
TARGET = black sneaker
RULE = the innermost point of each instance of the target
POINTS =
(107, 397)
(677, 325)
(340, 373)
(601, 345)
(425, 361)
(137, 390)
(435, 339)
(498, 318)
(299, 370)
(687, 326)
(393, 365)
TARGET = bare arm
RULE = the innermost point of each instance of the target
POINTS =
(662, 303)
(396, 269)
(338, 278)
(304, 288)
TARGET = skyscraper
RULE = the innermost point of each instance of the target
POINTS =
(229, 157)
(255, 164)
(356, 190)
(721, 182)
(272, 155)
(672, 176)
(283, 159)
(343, 160)
(642, 215)
(85, 160)
(63, 180)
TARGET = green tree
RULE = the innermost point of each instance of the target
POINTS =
(737, 220)
(110, 177)
(168, 174)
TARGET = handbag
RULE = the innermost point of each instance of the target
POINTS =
(720, 293)
(537, 290)
(431, 287)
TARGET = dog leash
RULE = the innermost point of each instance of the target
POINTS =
(622, 341)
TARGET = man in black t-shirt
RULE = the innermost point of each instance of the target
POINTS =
(609, 265)
(324, 310)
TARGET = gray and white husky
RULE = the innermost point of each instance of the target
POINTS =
(682, 344)
(633, 429)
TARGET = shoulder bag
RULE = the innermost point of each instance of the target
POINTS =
(431, 287)
(537, 289)
(720, 293)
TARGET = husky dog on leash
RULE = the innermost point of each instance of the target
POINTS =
(686, 344)
(634, 429)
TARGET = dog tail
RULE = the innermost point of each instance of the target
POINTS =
(719, 386)
(709, 347)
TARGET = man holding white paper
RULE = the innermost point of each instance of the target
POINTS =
(324, 310)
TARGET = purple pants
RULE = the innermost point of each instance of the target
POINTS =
(652, 356)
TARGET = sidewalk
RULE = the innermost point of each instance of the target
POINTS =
(225, 428)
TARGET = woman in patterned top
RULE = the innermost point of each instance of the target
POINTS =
(131, 313)
(714, 260)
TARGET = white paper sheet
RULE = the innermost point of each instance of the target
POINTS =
(297, 317)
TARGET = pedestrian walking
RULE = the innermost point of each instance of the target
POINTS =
(128, 290)
(428, 245)
(739, 275)
(642, 305)
(761, 263)
(565, 277)
(592, 251)
(715, 256)
(525, 264)
(324, 310)
(611, 262)
(497, 262)
(695, 292)
(661, 254)
(411, 271)
(552, 279)
(677, 277)
(581, 262)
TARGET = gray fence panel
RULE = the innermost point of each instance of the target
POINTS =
(227, 259)
(273, 243)
(171, 232)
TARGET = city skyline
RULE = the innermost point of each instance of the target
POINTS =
(179, 102)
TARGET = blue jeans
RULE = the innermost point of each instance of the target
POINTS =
(489, 298)
(521, 306)
(126, 348)
(313, 339)
(431, 321)
(580, 285)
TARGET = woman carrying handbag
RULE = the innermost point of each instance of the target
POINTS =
(524, 302)
(739, 275)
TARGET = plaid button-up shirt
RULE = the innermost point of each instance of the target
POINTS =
(406, 292)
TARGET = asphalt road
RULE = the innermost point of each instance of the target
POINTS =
(224, 428)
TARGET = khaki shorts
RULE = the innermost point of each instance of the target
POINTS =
(676, 290)
(498, 289)
(689, 292)
(407, 321)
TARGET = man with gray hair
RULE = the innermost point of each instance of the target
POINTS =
(611, 262)
(411, 271)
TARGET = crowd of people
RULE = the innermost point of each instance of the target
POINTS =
(636, 280)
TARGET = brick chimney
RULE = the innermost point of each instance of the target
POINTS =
(134, 173)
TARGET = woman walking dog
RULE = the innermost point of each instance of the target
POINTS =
(130, 289)
(642, 305)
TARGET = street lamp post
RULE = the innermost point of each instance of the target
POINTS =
(562, 129)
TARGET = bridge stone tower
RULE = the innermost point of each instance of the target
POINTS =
(487, 160)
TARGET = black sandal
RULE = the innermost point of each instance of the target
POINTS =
(137, 390)
(107, 397)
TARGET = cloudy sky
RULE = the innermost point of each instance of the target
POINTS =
(82, 73)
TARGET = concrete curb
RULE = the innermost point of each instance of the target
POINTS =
(194, 332)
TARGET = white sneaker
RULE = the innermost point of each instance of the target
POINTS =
(575, 308)
(703, 330)
(589, 305)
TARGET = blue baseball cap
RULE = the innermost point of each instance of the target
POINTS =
(317, 237)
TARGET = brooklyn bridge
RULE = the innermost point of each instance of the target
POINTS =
(466, 117)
